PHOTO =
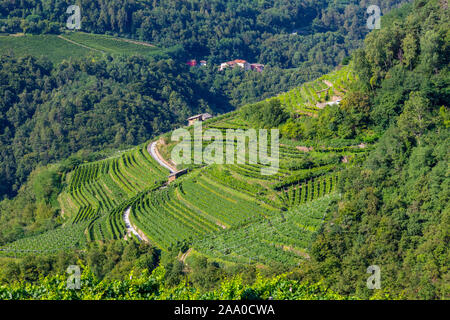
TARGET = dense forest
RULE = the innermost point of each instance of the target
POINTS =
(395, 208)
(280, 33)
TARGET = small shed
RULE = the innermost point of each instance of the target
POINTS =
(199, 117)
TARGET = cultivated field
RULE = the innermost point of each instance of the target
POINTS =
(74, 44)
(230, 212)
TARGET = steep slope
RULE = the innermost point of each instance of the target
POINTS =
(213, 207)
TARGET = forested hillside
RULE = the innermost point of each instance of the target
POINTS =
(363, 158)
(394, 211)
(217, 30)
(50, 112)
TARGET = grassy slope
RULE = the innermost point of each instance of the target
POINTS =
(84, 44)
(50, 46)
(113, 45)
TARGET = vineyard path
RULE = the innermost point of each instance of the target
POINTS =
(128, 226)
(79, 44)
(126, 215)
(155, 155)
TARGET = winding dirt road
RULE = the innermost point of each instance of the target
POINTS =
(128, 226)
(155, 155)
(126, 215)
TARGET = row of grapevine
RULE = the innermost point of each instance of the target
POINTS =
(85, 213)
(282, 239)
(309, 190)
(225, 205)
(71, 236)
(304, 99)
(164, 221)
(101, 186)
(86, 173)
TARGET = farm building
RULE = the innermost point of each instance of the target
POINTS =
(242, 64)
(257, 67)
(235, 63)
(199, 117)
(194, 63)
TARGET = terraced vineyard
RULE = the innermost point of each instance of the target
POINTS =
(232, 213)
(193, 207)
(308, 191)
(313, 96)
(94, 200)
(282, 239)
(56, 49)
(67, 237)
(97, 188)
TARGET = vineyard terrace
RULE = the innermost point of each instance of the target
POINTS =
(257, 143)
